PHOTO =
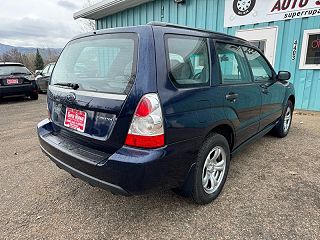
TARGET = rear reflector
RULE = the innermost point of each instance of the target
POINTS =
(145, 141)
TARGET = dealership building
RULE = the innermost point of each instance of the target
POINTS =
(287, 31)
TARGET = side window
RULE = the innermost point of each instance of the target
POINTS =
(45, 70)
(188, 61)
(259, 66)
(234, 68)
(50, 69)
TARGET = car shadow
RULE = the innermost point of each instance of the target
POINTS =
(122, 207)
(13, 100)
(136, 208)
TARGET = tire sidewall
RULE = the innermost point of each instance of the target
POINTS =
(34, 96)
(199, 195)
(289, 105)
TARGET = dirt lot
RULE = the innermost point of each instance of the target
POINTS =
(273, 192)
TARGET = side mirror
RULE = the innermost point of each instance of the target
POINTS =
(37, 72)
(283, 76)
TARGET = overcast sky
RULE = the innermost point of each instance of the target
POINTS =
(35, 23)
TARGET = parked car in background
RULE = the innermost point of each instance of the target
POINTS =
(137, 108)
(43, 77)
(16, 79)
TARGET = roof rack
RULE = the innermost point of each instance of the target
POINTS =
(166, 24)
(10, 63)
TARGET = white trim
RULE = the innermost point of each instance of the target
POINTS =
(106, 8)
(265, 33)
(304, 50)
(120, 97)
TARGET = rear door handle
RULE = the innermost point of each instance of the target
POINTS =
(232, 97)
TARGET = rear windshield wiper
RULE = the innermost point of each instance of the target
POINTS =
(74, 86)
(19, 73)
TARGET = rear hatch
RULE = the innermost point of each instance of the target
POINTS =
(89, 88)
(13, 75)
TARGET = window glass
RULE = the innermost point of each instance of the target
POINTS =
(313, 51)
(13, 70)
(45, 70)
(50, 69)
(260, 68)
(260, 44)
(105, 63)
(234, 68)
(188, 61)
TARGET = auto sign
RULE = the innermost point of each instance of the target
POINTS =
(75, 119)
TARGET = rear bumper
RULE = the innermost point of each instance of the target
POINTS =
(128, 171)
(85, 177)
(25, 89)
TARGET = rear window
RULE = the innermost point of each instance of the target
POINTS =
(13, 70)
(188, 61)
(105, 63)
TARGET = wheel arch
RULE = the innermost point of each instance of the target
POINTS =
(226, 130)
(292, 99)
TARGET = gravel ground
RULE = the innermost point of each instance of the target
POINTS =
(272, 192)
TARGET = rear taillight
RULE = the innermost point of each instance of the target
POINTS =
(146, 129)
(30, 77)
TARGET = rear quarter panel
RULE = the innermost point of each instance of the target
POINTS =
(190, 113)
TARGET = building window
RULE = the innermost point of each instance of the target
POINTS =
(310, 55)
(261, 44)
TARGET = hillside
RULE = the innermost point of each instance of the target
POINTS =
(25, 50)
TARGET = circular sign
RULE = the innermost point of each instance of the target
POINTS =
(243, 7)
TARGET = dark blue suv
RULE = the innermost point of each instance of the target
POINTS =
(138, 108)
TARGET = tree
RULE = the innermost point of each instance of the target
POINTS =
(28, 60)
(12, 55)
(38, 62)
(87, 25)
(32, 60)
(51, 56)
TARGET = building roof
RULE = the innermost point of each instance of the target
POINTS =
(106, 8)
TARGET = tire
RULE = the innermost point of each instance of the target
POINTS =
(34, 96)
(194, 187)
(39, 90)
(282, 128)
(243, 7)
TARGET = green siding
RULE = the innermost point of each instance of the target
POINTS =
(209, 14)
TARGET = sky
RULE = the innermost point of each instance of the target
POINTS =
(35, 23)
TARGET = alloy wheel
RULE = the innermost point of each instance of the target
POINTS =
(214, 169)
(287, 120)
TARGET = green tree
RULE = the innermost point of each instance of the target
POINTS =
(38, 62)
